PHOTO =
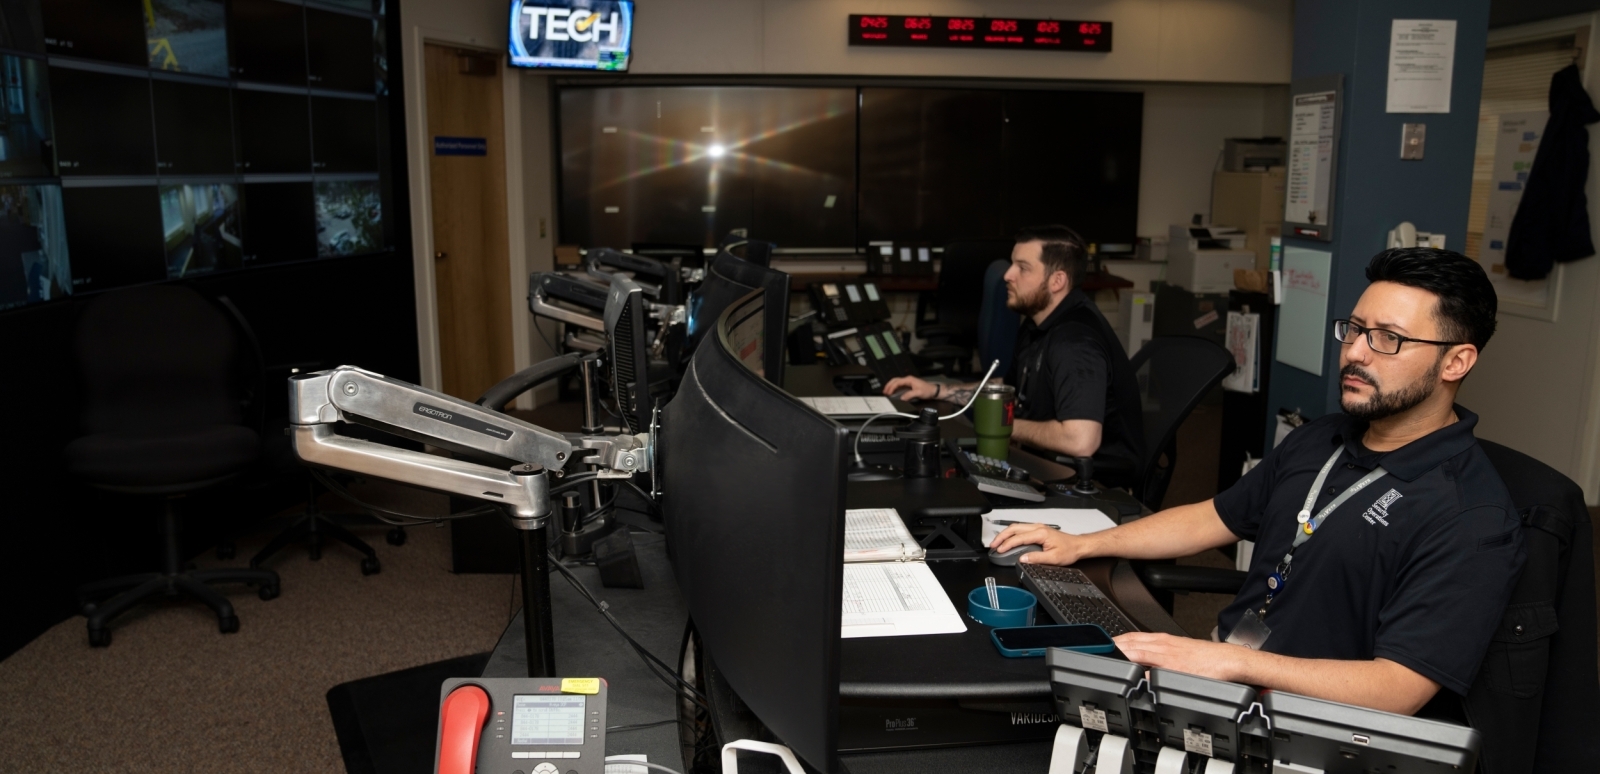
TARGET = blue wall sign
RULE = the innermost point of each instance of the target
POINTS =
(460, 146)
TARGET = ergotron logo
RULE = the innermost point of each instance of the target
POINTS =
(422, 408)
(575, 24)
(467, 423)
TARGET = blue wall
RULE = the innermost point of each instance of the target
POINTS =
(1374, 189)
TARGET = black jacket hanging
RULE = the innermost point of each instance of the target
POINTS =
(1552, 221)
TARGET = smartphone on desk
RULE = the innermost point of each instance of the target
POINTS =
(1029, 641)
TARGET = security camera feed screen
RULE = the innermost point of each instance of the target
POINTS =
(349, 218)
(539, 720)
(26, 148)
(153, 140)
(34, 264)
(189, 36)
(201, 225)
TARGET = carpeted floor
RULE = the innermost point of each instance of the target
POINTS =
(171, 694)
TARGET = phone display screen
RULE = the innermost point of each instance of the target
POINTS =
(894, 345)
(1069, 636)
(877, 351)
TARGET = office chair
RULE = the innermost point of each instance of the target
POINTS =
(948, 321)
(163, 416)
(1536, 698)
(997, 324)
(1174, 374)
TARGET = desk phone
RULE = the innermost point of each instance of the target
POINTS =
(533, 725)
(846, 304)
(875, 346)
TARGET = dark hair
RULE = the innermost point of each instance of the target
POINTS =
(1063, 250)
(1467, 301)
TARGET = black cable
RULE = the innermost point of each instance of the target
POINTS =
(652, 662)
(542, 337)
(573, 481)
(639, 726)
(412, 519)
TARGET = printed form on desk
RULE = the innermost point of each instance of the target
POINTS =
(888, 590)
(1073, 521)
(850, 406)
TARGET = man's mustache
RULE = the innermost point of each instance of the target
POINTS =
(1355, 370)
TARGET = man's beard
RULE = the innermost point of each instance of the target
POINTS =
(1028, 306)
(1383, 405)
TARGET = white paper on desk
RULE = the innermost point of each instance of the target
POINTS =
(620, 764)
(848, 406)
(891, 599)
(878, 535)
(1073, 521)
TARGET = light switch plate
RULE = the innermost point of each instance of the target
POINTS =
(1413, 138)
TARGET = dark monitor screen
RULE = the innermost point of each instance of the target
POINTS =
(629, 353)
(279, 222)
(344, 134)
(269, 42)
(729, 278)
(21, 26)
(91, 29)
(273, 138)
(115, 236)
(103, 122)
(753, 503)
(194, 128)
(339, 51)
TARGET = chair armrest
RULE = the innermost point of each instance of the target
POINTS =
(510, 387)
(1176, 577)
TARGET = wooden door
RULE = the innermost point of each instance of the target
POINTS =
(472, 271)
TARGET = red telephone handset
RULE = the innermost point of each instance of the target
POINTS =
(461, 723)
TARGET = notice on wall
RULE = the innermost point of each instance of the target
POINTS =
(1516, 144)
(1422, 54)
(1303, 315)
(1311, 145)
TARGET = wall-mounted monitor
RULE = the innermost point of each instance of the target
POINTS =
(572, 34)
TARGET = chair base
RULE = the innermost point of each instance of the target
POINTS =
(171, 581)
(313, 526)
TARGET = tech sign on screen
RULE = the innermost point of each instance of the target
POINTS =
(575, 34)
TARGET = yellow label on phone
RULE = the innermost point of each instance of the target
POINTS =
(589, 685)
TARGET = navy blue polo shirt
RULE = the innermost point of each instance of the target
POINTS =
(1416, 568)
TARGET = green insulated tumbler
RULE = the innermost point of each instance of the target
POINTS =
(992, 415)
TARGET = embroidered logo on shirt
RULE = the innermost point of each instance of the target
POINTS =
(1380, 510)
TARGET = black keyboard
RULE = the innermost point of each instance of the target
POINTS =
(1071, 598)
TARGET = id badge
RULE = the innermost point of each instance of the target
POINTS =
(1251, 632)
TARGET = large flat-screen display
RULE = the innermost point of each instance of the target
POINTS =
(170, 138)
(572, 34)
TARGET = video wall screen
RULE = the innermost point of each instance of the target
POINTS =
(148, 141)
(844, 167)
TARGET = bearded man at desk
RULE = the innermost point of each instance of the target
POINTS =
(1076, 393)
(1386, 543)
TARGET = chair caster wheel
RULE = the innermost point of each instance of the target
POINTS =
(269, 592)
(226, 550)
(370, 566)
(228, 625)
(99, 638)
(395, 537)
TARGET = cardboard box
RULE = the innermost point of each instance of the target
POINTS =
(1253, 203)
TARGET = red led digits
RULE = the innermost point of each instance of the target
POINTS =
(875, 22)
(919, 23)
(979, 32)
(1049, 26)
(1002, 25)
(1089, 28)
(963, 24)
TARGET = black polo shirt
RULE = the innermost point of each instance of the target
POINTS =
(1073, 367)
(1416, 568)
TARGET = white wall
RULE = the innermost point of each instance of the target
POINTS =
(1537, 388)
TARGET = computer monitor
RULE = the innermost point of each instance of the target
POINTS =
(729, 278)
(1343, 739)
(628, 351)
(753, 495)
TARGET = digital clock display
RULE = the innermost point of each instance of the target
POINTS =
(979, 32)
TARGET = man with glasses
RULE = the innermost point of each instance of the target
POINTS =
(1386, 544)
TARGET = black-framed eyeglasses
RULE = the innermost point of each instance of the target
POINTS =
(1379, 340)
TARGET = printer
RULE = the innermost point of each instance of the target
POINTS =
(1202, 259)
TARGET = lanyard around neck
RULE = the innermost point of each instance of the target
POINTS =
(1309, 523)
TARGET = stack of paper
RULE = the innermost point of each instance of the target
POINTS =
(1073, 521)
(888, 590)
(850, 406)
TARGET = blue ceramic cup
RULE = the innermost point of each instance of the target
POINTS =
(1016, 607)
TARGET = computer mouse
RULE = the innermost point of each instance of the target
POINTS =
(1009, 558)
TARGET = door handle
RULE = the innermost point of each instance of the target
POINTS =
(439, 256)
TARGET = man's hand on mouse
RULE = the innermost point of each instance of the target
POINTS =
(1056, 547)
(912, 387)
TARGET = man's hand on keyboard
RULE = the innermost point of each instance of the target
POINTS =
(1216, 660)
(1056, 547)
(915, 389)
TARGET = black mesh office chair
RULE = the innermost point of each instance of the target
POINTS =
(163, 416)
(948, 324)
(1174, 374)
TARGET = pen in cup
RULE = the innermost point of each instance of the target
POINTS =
(994, 593)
